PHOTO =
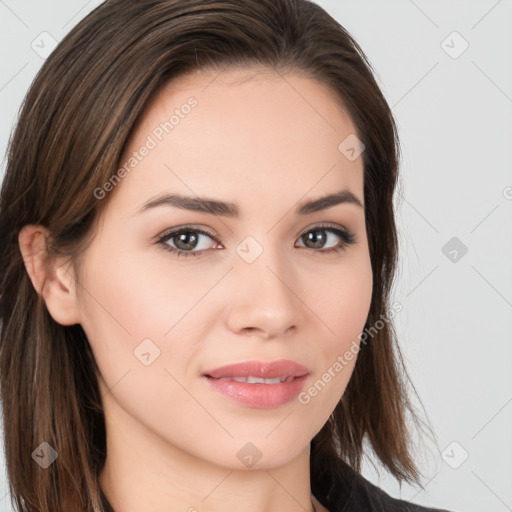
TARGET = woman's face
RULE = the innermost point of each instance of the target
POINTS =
(266, 284)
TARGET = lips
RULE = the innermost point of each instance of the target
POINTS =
(258, 384)
(257, 380)
(282, 369)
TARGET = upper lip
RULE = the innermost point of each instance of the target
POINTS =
(261, 369)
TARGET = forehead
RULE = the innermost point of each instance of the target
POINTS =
(240, 131)
(298, 94)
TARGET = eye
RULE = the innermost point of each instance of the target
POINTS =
(345, 238)
(191, 241)
(186, 241)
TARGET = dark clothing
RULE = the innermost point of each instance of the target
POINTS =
(354, 493)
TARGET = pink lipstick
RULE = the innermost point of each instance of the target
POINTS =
(259, 384)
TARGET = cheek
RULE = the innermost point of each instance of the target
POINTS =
(136, 312)
(132, 296)
(345, 302)
(343, 309)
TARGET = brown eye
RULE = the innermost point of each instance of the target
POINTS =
(185, 241)
(317, 237)
(191, 241)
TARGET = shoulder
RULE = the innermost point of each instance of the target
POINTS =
(362, 495)
(367, 496)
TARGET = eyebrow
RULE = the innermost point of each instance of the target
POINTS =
(227, 209)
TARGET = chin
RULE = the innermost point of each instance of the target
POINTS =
(259, 454)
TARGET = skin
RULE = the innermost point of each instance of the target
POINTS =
(264, 142)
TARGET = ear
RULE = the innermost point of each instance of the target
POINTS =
(54, 279)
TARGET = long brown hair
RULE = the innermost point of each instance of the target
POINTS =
(73, 126)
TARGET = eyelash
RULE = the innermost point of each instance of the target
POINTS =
(346, 236)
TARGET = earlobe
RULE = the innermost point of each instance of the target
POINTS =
(52, 278)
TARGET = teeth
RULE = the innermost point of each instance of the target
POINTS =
(258, 380)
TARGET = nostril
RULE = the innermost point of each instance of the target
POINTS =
(248, 330)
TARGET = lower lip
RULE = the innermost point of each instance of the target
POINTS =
(261, 396)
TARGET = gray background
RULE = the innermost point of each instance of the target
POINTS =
(454, 114)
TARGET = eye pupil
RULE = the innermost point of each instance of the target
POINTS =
(182, 237)
(317, 237)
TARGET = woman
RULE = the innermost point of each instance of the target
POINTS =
(197, 250)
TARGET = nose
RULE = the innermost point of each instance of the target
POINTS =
(264, 300)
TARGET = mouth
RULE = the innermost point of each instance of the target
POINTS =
(257, 384)
(255, 372)
(255, 380)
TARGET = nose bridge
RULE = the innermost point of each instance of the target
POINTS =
(265, 299)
